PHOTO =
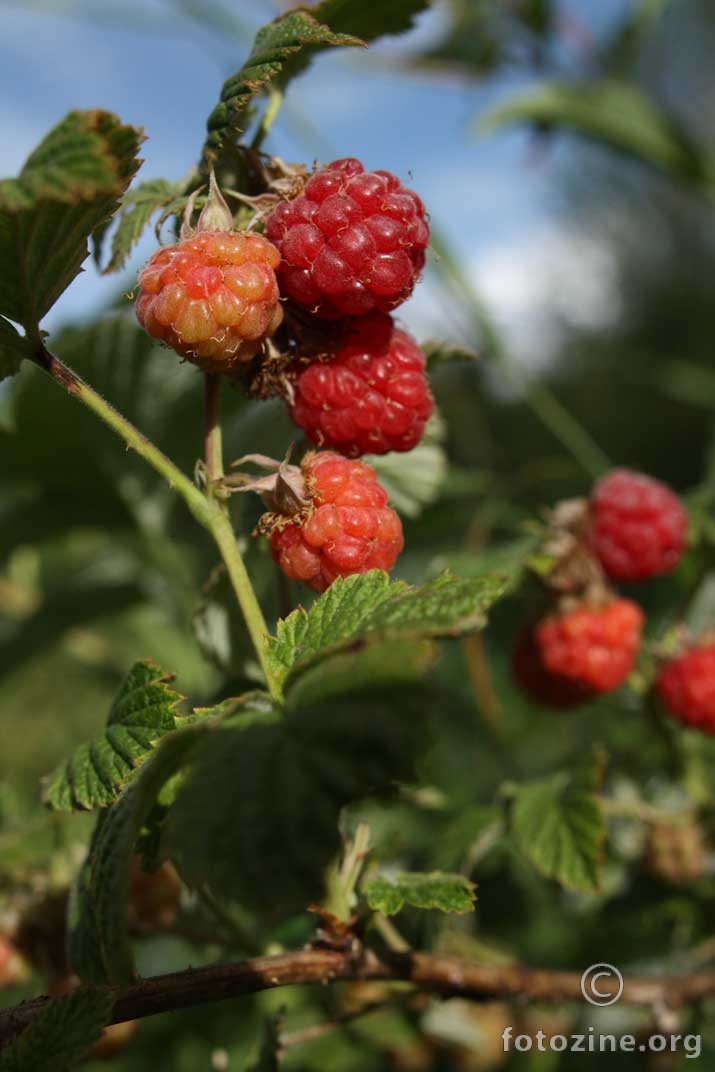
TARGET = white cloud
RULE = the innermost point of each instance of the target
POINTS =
(540, 283)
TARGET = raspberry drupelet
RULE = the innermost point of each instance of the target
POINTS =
(567, 658)
(638, 526)
(686, 687)
(354, 241)
(213, 297)
(345, 528)
(370, 397)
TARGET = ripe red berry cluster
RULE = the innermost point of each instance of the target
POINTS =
(633, 527)
(342, 253)
(352, 247)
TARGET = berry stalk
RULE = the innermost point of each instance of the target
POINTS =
(209, 513)
(213, 440)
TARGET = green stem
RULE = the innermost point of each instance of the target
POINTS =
(209, 513)
(212, 431)
(225, 538)
(275, 100)
(543, 402)
(197, 503)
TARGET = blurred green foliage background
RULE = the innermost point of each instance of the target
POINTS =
(100, 566)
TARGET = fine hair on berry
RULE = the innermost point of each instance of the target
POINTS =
(370, 396)
(213, 297)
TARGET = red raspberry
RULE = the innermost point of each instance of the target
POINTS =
(354, 241)
(686, 687)
(567, 658)
(371, 397)
(212, 297)
(348, 527)
(638, 526)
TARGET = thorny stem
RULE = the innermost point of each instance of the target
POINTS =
(225, 538)
(205, 509)
(428, 972)
(77, 388)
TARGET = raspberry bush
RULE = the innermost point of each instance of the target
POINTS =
(321, 632)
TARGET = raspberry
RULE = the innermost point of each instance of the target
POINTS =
(347, 526)
(638, 526)
(371, 397)
(686, 687)
(212, 297)
(569, 657)
(353, 242)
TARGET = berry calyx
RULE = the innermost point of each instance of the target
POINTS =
(686, 687)
(213, 297)
(638, 526)
(354, 241)
(569, 657)
(369, 397)
(340, 523)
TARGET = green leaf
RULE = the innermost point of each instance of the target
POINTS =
(369, 19)
(390, 661)
(443, 353)
(370, 604)
(448, 893)
(259, 808)
(558, 824)
(613, 112)
(415, 479)
(275, 44)
(510, 561)
(68, 187)
(135, 211)
(13, 347)
(99, 947)
(143, 712)
(60, 1034)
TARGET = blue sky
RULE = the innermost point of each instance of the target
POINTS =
(491, 195)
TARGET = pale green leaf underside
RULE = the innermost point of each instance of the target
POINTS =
(447, 893)
(414, 479)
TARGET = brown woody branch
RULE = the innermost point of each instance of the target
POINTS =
(445, 975)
